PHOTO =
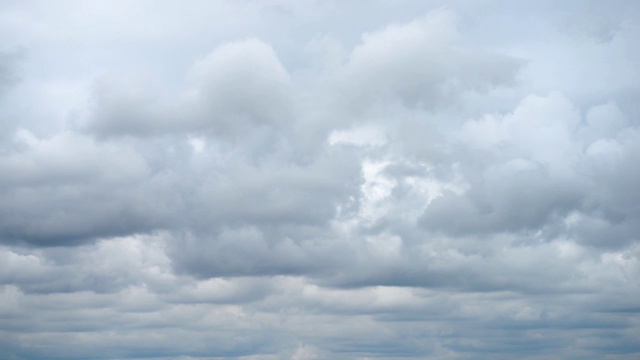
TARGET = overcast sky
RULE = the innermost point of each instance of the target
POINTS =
(319, 179)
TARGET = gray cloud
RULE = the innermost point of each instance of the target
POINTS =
(9, 78)
(68, 189)
(238, 86)
(422, 64)
(8, 73)
(316, 181)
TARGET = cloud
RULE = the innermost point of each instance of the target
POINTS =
(528, 186)
(9, 79)
(424, 182)
(420, 64)
(8, 75)
(236, 87)
(68, 189)
(243, 81)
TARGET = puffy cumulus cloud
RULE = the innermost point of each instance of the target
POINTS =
(422, 64)
(521, 183)
(103, 267)
(520, 167)
(69, 189)
(128, 105)
(424, 182)
(238, 86)
(242, 82)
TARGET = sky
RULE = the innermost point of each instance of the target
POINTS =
(299, 180)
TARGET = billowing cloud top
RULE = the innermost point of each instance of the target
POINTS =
(319, 180)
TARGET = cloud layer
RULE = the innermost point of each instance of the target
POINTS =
(319, 180)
